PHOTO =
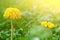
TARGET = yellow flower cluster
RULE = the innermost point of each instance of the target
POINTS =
(47, 24)
(12, 13)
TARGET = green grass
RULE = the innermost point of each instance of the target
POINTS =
(28, 26)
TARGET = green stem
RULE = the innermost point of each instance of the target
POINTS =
(11, 30)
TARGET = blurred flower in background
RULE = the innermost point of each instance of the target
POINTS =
(44, 23)
(47, 24)
(12, 13)
(50, 25)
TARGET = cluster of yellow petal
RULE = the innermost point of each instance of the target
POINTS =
(12, 13)
(44, 23)
(47, 24)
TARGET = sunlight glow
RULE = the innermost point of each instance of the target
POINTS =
(51, 5)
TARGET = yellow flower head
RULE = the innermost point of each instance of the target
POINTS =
(12, 13)
(44, 23)
(47, 24)
(50, 25)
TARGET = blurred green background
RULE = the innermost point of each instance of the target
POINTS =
(28, 27)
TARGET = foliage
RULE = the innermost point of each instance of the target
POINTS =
(28, 26)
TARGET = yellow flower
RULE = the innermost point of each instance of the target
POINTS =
(47, 24)
(50, 25)
(44, 23)
(12, 13)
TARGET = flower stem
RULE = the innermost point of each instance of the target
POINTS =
(11, 30)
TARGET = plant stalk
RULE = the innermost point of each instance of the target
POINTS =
(12, 30)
